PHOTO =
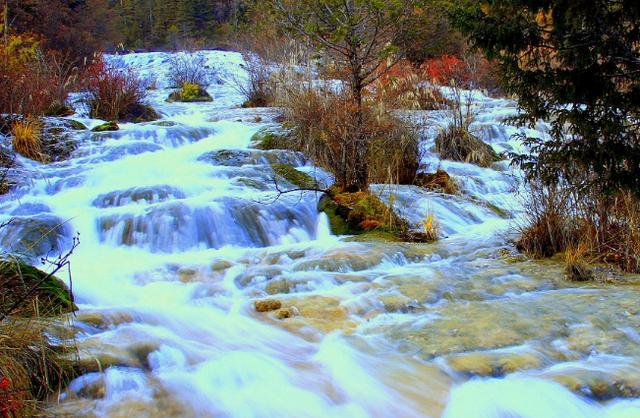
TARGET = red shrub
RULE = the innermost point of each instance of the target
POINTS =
(112, 89)
(446, 68)
(470, 72)
(11, 402)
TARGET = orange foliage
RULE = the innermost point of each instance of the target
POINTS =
(370, 224)
(470, 72)
(446, 68)
(29, 81)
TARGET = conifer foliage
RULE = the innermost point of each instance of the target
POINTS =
(577, 64)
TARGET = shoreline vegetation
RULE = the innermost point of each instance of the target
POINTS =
(37, 348)
(346, 89)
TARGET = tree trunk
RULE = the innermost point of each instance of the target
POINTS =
(359, 179)
(6, 24)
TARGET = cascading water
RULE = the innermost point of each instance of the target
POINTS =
(181, 232)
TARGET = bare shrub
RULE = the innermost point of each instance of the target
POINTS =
(562, 219)
(189, 68)
(259, 89)
(548, 226)
(458, 144)
(324, 127)
(456, 141)
(403, 87)
(270, 61)
(63, 74)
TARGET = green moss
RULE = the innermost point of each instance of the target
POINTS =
(376, 235)
(106, 127)
(498, 211)
(77, 126)
(52, 295)
(190, 93)
(337, 217)
(295, 177)
(360, 213)
(266, 139)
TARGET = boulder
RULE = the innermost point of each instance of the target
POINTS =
(29, 287)
(107, 127)
(267, 305)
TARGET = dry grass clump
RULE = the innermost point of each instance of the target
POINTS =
(458, 144)
(32, 367)
(586, 227)
(440, 181)
(260, 88)
(27, 138)
(407, 91)
(324, 126)
(576, 266)
(431, 228)
(613, 225)
(548, 227)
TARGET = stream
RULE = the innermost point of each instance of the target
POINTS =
(181, 233)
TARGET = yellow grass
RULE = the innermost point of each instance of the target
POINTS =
(431, 227)
(27, 139)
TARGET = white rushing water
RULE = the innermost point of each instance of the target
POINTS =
(180, 235)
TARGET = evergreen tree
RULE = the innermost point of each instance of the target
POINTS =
(576, 64)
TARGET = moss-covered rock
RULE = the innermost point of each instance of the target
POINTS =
(190, 93)
(270, 139)
(59, 138)
(251, 183)
(295, 177)
(138, 113)
(337, 215)
(147, 194)
(33, 289)
(238, 158)
(376, 235)
(356, 213)
(107, 127)
(77, 126)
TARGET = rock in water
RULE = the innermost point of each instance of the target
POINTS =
(267, 305)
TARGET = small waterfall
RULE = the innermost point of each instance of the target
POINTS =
(183, 230)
